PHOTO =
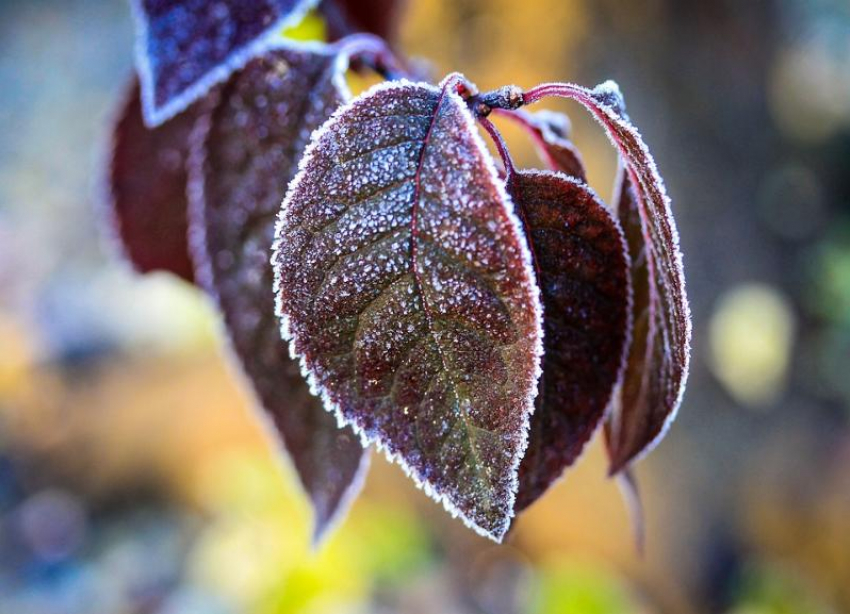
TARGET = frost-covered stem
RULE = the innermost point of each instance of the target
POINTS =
(501, 146)
(374, 52)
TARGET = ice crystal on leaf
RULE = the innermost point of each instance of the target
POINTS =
(244, 155)
(406, 286)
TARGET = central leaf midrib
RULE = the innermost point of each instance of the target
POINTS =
(429, 318)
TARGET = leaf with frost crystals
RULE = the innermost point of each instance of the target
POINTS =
(582, 268)
(183, 47)
(147, 188)
(640, 411)
(406, 286)
(244, 155)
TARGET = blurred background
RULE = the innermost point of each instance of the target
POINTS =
(133, 478)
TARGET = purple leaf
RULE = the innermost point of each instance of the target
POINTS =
(657, 369)
(147, 188)
(406, 286)
(550, 132)
(244, 155)
(380, 17)
(639, 412)
(582, 268)
(183, 47)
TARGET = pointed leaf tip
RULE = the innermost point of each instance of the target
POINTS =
(630, 491)
(243, 158)
(184, 47)
(407, 289)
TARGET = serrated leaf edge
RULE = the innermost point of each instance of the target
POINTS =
(333, 407)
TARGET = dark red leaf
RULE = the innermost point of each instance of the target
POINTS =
(406, 285)
(582, 269)
(657, 368)
(243, 158)
(639, 411)
(184, 47)
(380, 17)
(551, 134)
(147, 188)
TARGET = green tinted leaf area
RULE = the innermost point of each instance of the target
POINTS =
(583, 274)
(406, 286)
(241, 166)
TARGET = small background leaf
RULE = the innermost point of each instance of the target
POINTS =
(550, 132)
(147, 188)
(379, 17)
(243, 158)
(407, 287)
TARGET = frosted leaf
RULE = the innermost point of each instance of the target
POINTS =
(643, 403)
(582, 269)
(146, 192)
(657, 367)
(244, 156)
(406, 286)
(183, 47)
(378, 17)
(550, 132)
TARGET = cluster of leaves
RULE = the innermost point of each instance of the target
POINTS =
(476, 321)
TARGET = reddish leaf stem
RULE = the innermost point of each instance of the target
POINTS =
(501, 146)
